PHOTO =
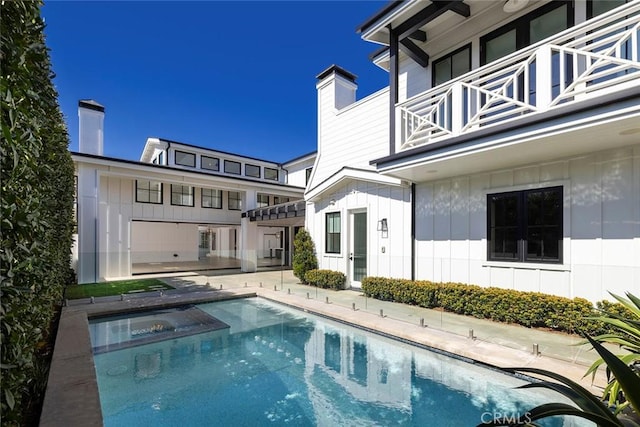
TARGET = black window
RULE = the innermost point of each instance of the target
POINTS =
(278, 199)
(543, 22)
(210, 163)
(263, 200)
(232, 167)
(332, 237)
(149, 192)
(525, 226)
(271, 174)
(211, 198)
(252, 170)
(185, 159)
(307, 175)
(452, 65)
(234, 201)
(181, 195)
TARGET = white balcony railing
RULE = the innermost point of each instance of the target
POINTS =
(595, 58)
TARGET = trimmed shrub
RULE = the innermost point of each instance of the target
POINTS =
(326, 279)
(531, 309)
(37, 211)
(304, 255)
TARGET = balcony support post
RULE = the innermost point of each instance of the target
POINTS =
(457, 108)
(544, 78)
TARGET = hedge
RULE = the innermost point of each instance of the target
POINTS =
(531, 309)
(37, 211)
(326, 279)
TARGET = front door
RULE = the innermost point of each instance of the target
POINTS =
(357, 247)
(203, 248)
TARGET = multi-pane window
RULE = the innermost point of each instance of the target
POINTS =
(525, 226)
(181, 195)
(332, 233)
(232, 167)
(263, 200)
(185, 159)
(211, 198)
(278, 199)
(234, 201)
(209, 163)
(252, 170)
(271, 174)
(148, 191)
(452, 65)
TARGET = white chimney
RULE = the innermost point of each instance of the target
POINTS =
(91, 127)
(336, 87)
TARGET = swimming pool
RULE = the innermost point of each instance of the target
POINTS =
(250, 362)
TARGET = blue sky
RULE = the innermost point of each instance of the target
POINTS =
(234, 76)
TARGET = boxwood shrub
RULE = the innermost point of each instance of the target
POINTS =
(326, 279)
(531, 309)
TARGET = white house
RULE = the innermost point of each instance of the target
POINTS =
(180, 207)
(505, 151)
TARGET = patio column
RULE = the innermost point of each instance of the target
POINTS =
(249, 235)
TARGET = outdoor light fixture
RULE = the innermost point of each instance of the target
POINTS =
(511, 6)
(382, 225)
(332, 202)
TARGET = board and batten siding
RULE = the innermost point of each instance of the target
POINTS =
(601, 242)
(385, 253)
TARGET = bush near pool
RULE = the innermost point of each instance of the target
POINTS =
(326, 279)
(531, 309)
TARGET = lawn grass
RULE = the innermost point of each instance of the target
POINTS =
(104, 289)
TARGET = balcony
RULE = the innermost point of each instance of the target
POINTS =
(599, 57)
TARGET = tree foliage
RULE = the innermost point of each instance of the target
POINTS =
(37, 190)
(304, 257)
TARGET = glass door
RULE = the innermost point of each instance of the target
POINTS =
(358, 248)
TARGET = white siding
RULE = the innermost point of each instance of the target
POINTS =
(601, 227)
(352, 136)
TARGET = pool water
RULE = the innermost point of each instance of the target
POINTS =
(256, 363)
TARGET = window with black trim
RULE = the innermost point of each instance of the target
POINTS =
(181, 195)
(232, 167)
(525, 226)
(149, 192)
(209, 163)
(271, 174)
(307, 173)
(252, 170)
(211, 198)
(279, 199)
(233, 201)
(263, 200)
(332, 233)
(185, 159)
(452, 65)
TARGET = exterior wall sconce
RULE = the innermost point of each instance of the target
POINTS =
(332, 202)
(511, 6)
(382, 225)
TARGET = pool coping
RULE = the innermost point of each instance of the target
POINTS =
(72, 396)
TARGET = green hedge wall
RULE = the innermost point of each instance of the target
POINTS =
(326, 279)
(37, 207)
(531, 309)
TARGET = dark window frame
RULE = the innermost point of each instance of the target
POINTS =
(277, 172)
(523, 226)
(238, 200)
(232, 162)
(150, 191)
(331, 237)
(521, 25)
(447, 56)
(175, 154)
(217, 168)
(211, 197)
(182, 193)
(254, 175)
(259, 203)
(307, 173)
